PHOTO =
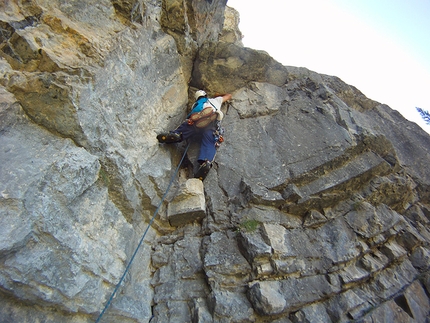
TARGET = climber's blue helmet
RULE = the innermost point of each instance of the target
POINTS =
(200, 93)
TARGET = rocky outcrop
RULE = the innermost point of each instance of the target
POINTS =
(316, 210)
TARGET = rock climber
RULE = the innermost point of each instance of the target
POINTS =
(203, 123)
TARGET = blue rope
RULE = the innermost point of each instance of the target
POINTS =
(143, 237)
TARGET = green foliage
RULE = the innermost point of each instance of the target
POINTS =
(104, 176)
(249, 225)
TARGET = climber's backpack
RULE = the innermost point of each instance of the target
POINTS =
(199, 116)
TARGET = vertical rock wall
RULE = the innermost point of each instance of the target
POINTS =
(85, 88)
(317, 208)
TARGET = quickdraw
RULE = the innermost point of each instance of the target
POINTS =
(218, 136)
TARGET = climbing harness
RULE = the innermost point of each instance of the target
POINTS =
(143, 237)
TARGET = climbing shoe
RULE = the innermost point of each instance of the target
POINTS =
(168, 138)
(203, 170)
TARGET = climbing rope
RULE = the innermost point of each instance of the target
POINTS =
(143, 236)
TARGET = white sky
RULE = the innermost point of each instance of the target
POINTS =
(382, 47)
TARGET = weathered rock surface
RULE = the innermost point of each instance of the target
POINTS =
(188, 205)
(317, 208)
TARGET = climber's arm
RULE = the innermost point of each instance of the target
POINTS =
(226, 97)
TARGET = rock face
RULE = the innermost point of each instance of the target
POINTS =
(316, 210)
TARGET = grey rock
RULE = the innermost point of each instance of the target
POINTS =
(416, 303)
(188, 205)
(312, 313)
(374, 262)
(258, 194)
(314, 218)
(316, 208)
(347, 306)
(393, 250)
(223, 263)
(353, 274)
(256, 251)
(291, 193)
(231, 307)
(338, 242)
(270, 297)
(178, 280)
(200, 312)
(267, 298)
(217, 205)
(369, 221)
(62, 247)
(420, 258)
(172, 311)
(253, 245)
(407, 307)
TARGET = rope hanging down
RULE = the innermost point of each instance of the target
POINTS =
(143, 237)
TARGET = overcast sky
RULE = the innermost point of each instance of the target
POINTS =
(382, 47)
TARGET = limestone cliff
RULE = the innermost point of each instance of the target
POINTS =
(316, 210)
